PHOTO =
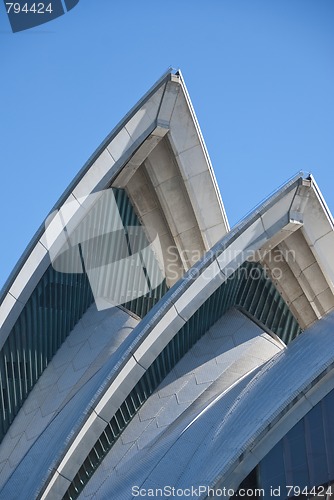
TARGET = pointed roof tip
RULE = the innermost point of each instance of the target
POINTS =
(172, 70)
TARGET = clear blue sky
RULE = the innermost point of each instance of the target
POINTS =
(260, 74)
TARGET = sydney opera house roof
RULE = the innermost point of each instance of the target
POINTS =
(147, 349)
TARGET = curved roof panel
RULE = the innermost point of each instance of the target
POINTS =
(231, 433)
(176, 308)
(164, 115)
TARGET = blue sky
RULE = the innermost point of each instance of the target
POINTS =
(260, 74)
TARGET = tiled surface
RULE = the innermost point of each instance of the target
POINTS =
(91, 342)
(238, 428)
(230, 349)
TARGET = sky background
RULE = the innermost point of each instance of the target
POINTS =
(260, 74)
